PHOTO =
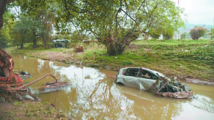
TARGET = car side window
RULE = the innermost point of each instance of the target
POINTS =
(131, 72)
(154, 77)
(124, 72)
(148, 75)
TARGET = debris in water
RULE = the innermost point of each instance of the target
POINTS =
(53, 86)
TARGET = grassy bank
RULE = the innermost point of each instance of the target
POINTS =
(30, 111)
(180, 58)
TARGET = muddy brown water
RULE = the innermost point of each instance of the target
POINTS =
(94, 95)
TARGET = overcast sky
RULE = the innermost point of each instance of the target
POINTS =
(198, 11)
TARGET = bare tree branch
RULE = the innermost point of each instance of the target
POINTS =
(141, 4)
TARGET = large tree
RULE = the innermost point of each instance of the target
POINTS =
(116, 23)
(3, 6)
(22, 30)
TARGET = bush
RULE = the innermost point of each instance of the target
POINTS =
(211, 33)
(197, 32)
(167, 36)
(155, 33)
(183, 35)
(3, 43)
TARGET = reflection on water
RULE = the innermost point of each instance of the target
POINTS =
(94, 95)
(204, 103)
(41, 64)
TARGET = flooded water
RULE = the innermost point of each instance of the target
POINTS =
(94, 95)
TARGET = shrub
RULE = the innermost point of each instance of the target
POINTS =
(183, 35)
(155, 33)
(3, 43)
(168, 32)
(197, 32)
(211, 33)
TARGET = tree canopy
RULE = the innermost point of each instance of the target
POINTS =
(115, 23)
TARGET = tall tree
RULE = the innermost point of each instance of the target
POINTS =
(6, 30)
(25, 30)
(3, 5)
(43, 11)
(116, 23)
(47, 21)
(211, 33)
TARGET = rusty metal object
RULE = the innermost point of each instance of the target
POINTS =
(179, 95)
(79, 48)
(53, 86)
(11, 89)
(23, 93)
(162, 86)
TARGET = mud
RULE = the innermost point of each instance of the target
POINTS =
(200, 82)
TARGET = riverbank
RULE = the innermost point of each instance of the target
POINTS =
(30, 111)
(185, 59)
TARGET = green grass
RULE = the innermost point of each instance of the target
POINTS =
(181, 58)
(32, 111)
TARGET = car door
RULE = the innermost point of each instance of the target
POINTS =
(131, 79)
(147, 83)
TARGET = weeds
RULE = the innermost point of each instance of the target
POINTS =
(32, 111)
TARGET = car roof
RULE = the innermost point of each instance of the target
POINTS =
(152, 71)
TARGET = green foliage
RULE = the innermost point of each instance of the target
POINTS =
(115, 23)
(23, 30)
(197, 32)
(211, 33)
(155, 33)
(167, 19)
(77, 37)
(3, 43)
(168, 33)
(17, 103)
(183, 35)
(32, 111)
(6, 30)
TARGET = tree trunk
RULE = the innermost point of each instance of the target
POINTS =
(22, 43)
(47, 42)
(115, 48)
(2, 10)
(34, 39)
(3, 4)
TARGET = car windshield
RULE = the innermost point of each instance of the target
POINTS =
(161, 75)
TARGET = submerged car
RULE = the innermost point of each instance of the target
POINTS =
(158, 83)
